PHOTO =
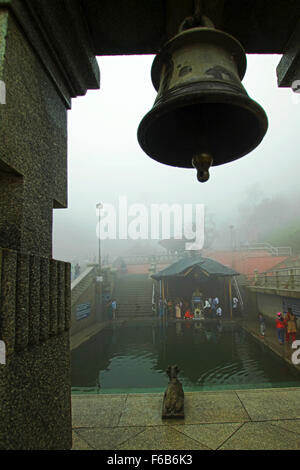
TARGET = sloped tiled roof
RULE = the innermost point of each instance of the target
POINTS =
(207, 265)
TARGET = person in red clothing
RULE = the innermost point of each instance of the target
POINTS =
(280, 326)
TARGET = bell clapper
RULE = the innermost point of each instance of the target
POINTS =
(202, 162)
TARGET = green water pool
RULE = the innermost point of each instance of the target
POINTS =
(133, 357)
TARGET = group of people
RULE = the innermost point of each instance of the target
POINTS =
(184, 309)
(286, 326)
(212, 308)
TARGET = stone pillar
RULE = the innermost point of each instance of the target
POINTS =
(45, 60)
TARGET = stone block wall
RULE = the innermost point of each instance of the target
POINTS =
(269, 305)
(88, 296)
(45, 60)
(35, 316)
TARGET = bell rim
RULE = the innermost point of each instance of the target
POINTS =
(188, 35)
(243, 101)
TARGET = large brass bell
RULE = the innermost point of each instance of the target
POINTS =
(202, 114)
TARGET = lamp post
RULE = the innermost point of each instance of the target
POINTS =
(99, 206)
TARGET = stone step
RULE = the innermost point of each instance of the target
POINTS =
(133, 293)
(134, 296)
(134, 314)
(130, 300)
(129, 304)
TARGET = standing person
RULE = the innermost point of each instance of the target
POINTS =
(109, 311)
(235, 302)
(161, 307)
(166, 308)
(207, 308)
(170, 308)
(178, 310)
(262, 325)
(286, 319)
(114, 308)
(214, 304)
(219, 311)
(280, 326)
(291, 327)
(219, 316)
(77, 270)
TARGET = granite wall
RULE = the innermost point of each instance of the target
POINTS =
(33, 145)
(34, 324)
(35, 388)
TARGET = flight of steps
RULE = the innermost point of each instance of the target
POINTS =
(133, 293)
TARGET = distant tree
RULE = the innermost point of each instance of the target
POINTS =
(287, 236)
(261, 218)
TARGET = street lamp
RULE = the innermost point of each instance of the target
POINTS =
(99, 206)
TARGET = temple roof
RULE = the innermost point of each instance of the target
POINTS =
(183, 266)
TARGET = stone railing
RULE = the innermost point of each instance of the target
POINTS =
(263, 247)
(149, 259)
(35, 299)
(287, 278)
(82, 282)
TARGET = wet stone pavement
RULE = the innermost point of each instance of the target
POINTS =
(264, 419)
(254, 419)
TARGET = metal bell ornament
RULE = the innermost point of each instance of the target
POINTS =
(202, 114)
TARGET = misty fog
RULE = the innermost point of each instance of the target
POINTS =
(257, 195)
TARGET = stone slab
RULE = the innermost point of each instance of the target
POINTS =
(89, 411)
(209, 435)
(271, 404)
(161, 438)
(213, 407)
(107, 438)
(289, 425)
(205, 407)
(237, 420)
(262, 436)
(142, 410)
(78, 443)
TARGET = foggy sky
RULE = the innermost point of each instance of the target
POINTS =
(105, 160)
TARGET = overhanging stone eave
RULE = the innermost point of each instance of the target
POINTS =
(66, 53)
(142, 27)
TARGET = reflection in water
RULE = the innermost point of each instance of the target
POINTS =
(178, 326)
(210, 354)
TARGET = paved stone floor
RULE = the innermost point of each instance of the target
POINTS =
(266, 419)
(237, 420)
